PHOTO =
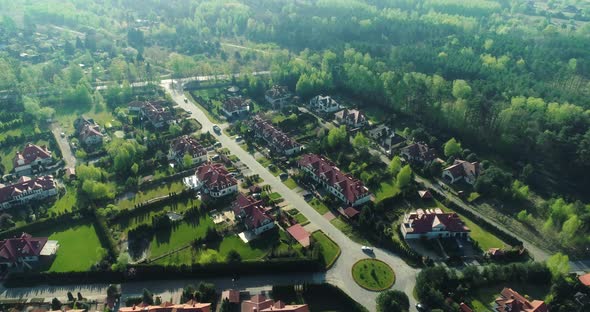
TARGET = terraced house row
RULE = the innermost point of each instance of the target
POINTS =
(276, 139)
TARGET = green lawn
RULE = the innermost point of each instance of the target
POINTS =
(482, 299)
(103, 118)
(373, 274)
(330, 249)
(181, 235)
(25, 128)
(7, 153)
(145, 217)
(386, 190)
(318, 206)
(265, 162)
(290, 183)
(349, 231)
(301, 219)
(78, 246)
(65, 202)
(275, 196)
(211, 116)
(153, 192)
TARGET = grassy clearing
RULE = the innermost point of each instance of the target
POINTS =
(181, 235)
(154, 192)
(65, 202)
(25, 129)
(386, 190)
(7, 153)
(290, 183)
(373, 274)
(330, 249)
(104, 118)
(78, 247)
(319, 206)
(349, 231)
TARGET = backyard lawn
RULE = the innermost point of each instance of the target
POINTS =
(373, 274)
(290, 183)
(154, 192)
(301, 219)
(386, 190)
(66, 202)
(318, 206)
(145, 217)
(78, 247)
(181, 235)
(349, 231)
(7, 153)
(330, 250)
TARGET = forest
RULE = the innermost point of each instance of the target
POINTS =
(509, 79)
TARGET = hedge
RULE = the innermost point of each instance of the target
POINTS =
(44, 223)
(141, 272)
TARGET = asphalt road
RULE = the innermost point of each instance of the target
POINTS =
(340, 274)
(64, 146)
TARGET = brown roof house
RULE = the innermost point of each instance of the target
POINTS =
(511, 301)
(88, 131)
(462, 170)
(353, 118)
(277, 141)
(253, 214)
(31, 156)
(190, 306)
(345, 187)
(187, 145)
(155, 113)
(433, 223)
(26, 190)
(300, 234)
(212, 179)
(25, 250)
(236, 106)
(418, 152)
(278, 96)
(259, 303)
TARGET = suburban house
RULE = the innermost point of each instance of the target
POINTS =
(464, 308)
(26, 190)
(585, 279)
(212, 179)
(88, 131)
(344, 186)
(235, 106)
(259, 303)
(253, 214)
(155, 112)
(25, 250)
(278, 141)
(189, 306)
(511, 301)
(31, 156)
(418, 152)
(277, 96)
(232, 295)
(353, 118)
(324, 104)
(433, 223)
(187, 145)
(386, 137)
(462, 170)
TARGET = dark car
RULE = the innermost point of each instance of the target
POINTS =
(216, 129)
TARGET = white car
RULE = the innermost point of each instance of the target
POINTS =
(367, 249)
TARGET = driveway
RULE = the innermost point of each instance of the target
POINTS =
(64, 146)
(340, 274)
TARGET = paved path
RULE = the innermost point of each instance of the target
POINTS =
(64, 146)
(340, 274)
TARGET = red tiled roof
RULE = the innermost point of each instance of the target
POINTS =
(89, 130)
(299, 234)
(282, 307)
(423, 221)
(464, 308)
(215, 176)
(30, 153)
(351, 115)
(187, 144)
(252, 211)
(585, 279)
(13, 249)
(512, 301)
(154, 110)
(352, 188)
(256, 303)
(278, 139)
(462, 168)
(190, 306)
(232, 295)
(25, 184)
(350, 212)
(235, 103)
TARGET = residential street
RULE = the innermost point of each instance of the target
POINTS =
(340, 274)
(64, 146)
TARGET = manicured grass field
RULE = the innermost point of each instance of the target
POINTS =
(373, 274)
(290, 183)
(103, 118)
(275, 196)
(181, 235)
(301, 219)
(158, 191)
(330, 249)
(318, 206)
(349, 231)
(66, 202)
(7, 153)
(145, 217)
(386, 190)
(78, 246)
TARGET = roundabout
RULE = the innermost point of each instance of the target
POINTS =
(373, 274)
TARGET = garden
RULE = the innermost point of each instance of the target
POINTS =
(330, 250)
(373, 274)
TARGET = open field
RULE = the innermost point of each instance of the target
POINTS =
(180, 235)
(78, 247)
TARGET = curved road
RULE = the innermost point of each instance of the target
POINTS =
(340, 274)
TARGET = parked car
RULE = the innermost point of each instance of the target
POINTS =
(216, 129)
(283, 176)
(217, 144)
(215, 157)
(367, 249)
(238, 138)
(63, 135)
(185, 100)
(421, 307)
